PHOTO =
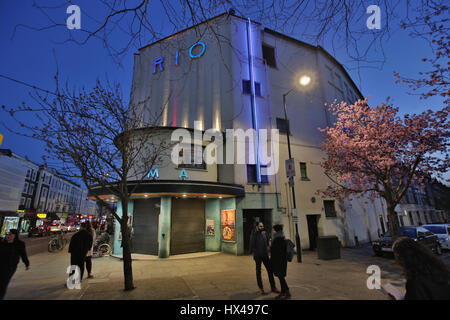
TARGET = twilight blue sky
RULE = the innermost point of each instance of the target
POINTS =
(29, 57)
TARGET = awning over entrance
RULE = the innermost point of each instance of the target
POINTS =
(176, 188)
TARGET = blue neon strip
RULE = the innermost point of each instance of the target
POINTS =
(253, 98)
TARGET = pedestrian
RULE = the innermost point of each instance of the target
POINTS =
(12, 249)
(278, 260)
(88, 259)
(79, 246)
(427, 276)
(259, 246)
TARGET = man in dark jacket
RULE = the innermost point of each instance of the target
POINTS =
(79, 246)
(278, 259)
(11, 251)
(259, 246)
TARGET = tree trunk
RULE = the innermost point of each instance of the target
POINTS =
(126, 246)
(393, 220)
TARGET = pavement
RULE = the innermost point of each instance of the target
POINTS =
(205, 276)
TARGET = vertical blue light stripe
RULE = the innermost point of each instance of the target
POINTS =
(253, 98)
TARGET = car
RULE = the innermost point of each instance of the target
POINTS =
(39, 231)
(55, 227)
(64, 228)
(419, 234)
(71, 227)
(443, 233)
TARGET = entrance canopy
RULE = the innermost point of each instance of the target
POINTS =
(158, 188)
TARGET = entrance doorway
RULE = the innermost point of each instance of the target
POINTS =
(313, 230)
(250, 218)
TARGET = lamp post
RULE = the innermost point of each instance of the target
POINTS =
(304, 81)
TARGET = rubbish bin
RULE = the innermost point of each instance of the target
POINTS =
(328, 248)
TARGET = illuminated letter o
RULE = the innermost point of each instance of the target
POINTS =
(200, 43)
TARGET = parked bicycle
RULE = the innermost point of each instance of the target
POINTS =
(57, 242)
(101, 246)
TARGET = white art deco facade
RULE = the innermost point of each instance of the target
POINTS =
(231, 73)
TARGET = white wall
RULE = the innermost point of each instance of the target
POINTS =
(12, 179)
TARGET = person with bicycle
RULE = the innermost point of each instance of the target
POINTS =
(79, 246)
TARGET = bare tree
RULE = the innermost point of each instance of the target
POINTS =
(333, 24)
(94, 136)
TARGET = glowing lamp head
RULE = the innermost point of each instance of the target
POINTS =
(305, 80)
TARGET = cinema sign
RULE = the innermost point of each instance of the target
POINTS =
(194, 53)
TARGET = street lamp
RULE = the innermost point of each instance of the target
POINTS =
(303, 81)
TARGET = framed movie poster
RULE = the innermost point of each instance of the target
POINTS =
(228, 225)
(210, 229)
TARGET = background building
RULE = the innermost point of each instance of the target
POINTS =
(32, 195)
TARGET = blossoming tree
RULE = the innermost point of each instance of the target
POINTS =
(374, 151)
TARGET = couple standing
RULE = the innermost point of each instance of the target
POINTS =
(276, 264)
(80, 248)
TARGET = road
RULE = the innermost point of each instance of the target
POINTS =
(35, 245)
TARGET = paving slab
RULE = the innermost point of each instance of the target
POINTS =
(205, 276)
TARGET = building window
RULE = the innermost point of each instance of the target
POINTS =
(330, 210)
(269, 55)
(25, 188)
(252, 174)
(330, 72)
(411, 219)
(31, 189)
(193, 165)
(282, 125)
(28, 203)
(303, 174)
(339, 81)
(34, 176)
(247, 88)
(28, 173)
(22, 201)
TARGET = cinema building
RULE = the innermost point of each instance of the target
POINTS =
(231, 73)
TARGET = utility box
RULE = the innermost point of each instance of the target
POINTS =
(328, 248)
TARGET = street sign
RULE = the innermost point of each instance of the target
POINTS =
(1, 139)
(294, 212)
(295, 219)
(290, 168)
(291, 181)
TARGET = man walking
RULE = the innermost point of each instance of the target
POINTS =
(79, 246)
(278, 260)
(259, 246)
(11, 251)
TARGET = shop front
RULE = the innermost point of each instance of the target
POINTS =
(195, 217)
(27, 219)
(9, 222)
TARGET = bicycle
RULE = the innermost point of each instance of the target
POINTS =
(57, 242)
(102, 247)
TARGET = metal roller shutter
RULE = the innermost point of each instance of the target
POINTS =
(145, 226)
(188, 226)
